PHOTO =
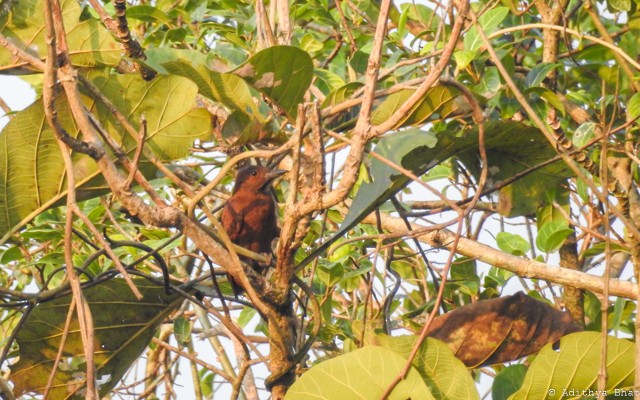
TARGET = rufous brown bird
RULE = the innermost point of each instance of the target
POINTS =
(249, 216)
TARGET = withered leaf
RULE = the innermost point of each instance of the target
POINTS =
(123, 327)
(501, 330)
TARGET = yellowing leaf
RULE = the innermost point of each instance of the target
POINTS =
(90, 44)
(361, 374)
(123, 328)
(31, 167)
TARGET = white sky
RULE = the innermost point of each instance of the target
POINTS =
(16, 93)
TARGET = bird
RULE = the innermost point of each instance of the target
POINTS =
(249, 216)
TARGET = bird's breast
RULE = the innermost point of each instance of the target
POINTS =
(250, 221)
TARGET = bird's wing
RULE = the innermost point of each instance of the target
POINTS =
(232, 220)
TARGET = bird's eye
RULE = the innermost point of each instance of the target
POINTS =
(254, 173)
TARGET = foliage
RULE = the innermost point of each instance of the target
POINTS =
(430, 163)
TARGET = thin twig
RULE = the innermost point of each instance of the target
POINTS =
(63, 341)
(55, 38)
(136, 158)
(107, 248)
(343, 20)
(192, 358)
(5, 107)
(21, 54)
(577, 34)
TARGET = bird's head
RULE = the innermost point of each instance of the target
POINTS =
(256, 178)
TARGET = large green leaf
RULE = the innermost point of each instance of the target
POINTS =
(123, 327)
(489, 22)
(347, 118)
(31, 167)
(556, 207)
(447, 377)
(224, 88)
(438, 103)
(439, 99)
(361, 374)
(506, 144)
(413, 149)
(512, 243)
(508, 381)
(407, 145)
(551, 236)
(575, 367)
(90, 44)
(245, 123)
(633, 107)
(282, 73)
(512, 148)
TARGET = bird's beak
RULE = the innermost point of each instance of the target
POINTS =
(273, 174)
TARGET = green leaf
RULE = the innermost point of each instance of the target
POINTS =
(425, 16)
(548, 96)
(600, 248)
(585, 133)
(330, 273)
(310, 44)
(512, 4)
(575, 366)
(489, 21)
(489, 84)
(442, 171)
(620, 5)
(30, 161)
(224, 88)
(447, 377)
(620, 308)
(346, 118)
(411, 144)
(508, 381)
(361, 374)
(512, 244)
(245, 123)
(554, 198)
(438, 99)
(332, 80)
(148, 14)
(246, 315)
(11, 254)
(463, 58)
(513, 148)
(352, 279)
(117, 344)
(282, 73)
(182, 330)
(509, 146)
(537, 74)
(402, 23)
(341, 94)
(581, 97)
(90, 44)
(552, 235)
(633, 107)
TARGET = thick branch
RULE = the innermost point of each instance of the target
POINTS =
(523, 267)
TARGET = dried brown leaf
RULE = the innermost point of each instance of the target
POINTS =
(501, 330)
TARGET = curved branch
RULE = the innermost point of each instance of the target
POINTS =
(579, 35)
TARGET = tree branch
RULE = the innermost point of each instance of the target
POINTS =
(523, 267)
